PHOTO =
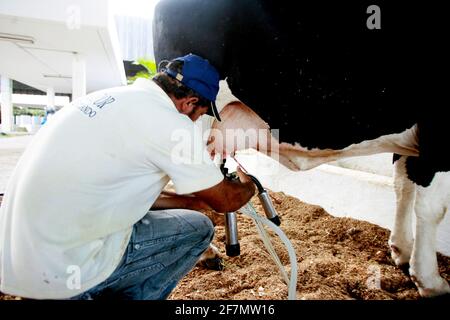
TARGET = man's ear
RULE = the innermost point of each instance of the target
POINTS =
(192, 100)
(188, 104)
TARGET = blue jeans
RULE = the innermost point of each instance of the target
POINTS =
(164, 246)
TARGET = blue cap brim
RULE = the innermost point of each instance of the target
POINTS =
(212, 111)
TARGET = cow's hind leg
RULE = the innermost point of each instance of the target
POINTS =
(401, 239)
(430, 207)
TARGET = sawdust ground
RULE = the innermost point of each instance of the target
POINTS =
(337, 258)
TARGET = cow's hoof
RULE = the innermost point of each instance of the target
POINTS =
(400, 257)
(213, 264)
(432, 287)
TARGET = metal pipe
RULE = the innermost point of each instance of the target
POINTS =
(263, 196)
(232, 246)
(270, 211)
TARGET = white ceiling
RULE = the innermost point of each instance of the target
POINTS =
(48, 61)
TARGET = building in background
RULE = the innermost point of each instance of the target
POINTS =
(66, 47)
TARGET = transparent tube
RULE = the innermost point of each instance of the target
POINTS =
(292, 282)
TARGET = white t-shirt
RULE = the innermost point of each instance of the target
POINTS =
(88, 175)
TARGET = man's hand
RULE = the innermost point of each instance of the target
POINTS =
(228, 196)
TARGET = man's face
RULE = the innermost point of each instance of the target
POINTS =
(188, 107)
(197, 112)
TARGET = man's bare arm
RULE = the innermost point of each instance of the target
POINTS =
(174, 201)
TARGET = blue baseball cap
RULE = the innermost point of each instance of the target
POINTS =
(199, 75)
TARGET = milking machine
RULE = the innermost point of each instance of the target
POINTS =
(232, 245)
(266, 203)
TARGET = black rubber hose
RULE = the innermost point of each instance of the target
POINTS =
(258, 184)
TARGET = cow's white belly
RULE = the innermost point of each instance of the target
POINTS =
(404, 143)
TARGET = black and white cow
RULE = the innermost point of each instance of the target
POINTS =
(335, 87)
